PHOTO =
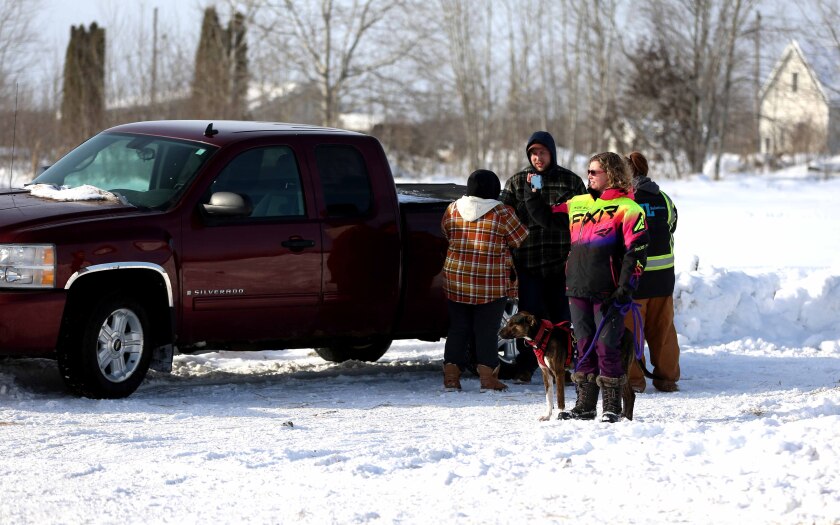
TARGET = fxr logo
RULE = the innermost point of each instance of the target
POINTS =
(596, 217)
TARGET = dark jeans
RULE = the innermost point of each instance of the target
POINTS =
(605, 358)
(545, 297)
(474, 323)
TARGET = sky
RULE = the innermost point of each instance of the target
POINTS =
(58, 15)
(55, 17)
(753, 435)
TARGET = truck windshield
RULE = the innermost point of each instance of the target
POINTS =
(150, 172)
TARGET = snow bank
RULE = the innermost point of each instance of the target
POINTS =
(797, 308)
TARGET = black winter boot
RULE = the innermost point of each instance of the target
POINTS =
(587, 398)
(611, 397)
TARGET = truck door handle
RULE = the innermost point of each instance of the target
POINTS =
(297, 243)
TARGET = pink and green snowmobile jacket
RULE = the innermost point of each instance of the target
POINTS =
(609, 240)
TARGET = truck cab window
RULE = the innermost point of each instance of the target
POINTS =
(269, 178)
(345, 180)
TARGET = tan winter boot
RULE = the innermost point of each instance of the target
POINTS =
(490, 378)
(451, 377)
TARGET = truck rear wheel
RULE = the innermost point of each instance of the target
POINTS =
(341, 352)
(106, 354)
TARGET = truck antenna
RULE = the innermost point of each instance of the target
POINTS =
(14, 136)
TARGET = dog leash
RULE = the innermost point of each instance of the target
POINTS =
(638, 330)
(594, 339)
(638, 326)
(638, 335)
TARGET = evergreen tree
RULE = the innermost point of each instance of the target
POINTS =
(220, 82)
(83, 99)
(210, 79)
(238, 50)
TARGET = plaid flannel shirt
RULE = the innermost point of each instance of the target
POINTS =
(477, 266)
(545, 251)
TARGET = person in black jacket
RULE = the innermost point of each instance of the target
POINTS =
(656, 288)
(540, 260)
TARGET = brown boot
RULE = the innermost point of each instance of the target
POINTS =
(451, 377)
(490, 378)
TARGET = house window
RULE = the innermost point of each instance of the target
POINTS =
(794, 81)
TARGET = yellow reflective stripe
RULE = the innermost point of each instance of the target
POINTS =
(670, 206)
(660, 262)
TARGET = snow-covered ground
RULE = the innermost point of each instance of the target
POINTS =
(753, 436)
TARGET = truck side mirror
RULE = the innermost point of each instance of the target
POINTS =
(229, 204)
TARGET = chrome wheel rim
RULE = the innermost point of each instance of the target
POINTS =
(120, 345)
(507, 347)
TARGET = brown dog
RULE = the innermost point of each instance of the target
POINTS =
(555, 352)
(556, 358)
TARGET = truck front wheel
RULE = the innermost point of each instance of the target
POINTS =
(340, 352)
(106, 354)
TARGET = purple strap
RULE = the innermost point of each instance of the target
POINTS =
(638, 330)
(638, 326)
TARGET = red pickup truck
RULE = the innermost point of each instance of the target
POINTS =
(229, 235)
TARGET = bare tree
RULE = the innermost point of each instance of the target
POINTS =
(600, 39)
(823, 21)
(574, 33)
(15, 39)
(733, 24)
(469, 54)
(336, 46)
(702, 39)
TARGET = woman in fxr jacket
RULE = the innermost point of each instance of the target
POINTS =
(608, 255)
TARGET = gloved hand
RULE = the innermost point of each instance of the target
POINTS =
(621, 296)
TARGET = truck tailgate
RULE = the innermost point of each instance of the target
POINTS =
(423, 312)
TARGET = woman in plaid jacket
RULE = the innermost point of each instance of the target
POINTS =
(481, 231)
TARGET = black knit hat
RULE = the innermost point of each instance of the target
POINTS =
(484, 184)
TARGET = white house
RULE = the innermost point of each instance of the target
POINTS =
(800, 101)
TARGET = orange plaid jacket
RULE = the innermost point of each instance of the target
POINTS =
(477, 267)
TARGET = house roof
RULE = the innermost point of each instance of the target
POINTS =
(822, 60)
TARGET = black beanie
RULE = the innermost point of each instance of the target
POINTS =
(484, 184)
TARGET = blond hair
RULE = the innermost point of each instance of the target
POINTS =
(618, 173)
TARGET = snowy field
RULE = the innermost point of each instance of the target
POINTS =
(753, 436)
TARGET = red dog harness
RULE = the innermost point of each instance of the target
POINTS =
(540, 342)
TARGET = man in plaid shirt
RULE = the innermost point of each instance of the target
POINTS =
(540, 260)
(481, 232)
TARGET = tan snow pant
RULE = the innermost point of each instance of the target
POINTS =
(661, 336)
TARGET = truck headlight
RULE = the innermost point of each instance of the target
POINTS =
(27, 266)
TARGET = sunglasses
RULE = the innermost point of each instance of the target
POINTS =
(594, 172)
